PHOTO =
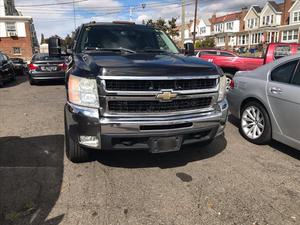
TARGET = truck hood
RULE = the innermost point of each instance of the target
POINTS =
(139, 64)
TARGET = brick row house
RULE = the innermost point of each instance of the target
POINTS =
(253, 26)
(17, 33)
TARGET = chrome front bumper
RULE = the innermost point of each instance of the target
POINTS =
(133, 133)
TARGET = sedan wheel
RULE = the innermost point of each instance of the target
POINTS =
(255, 123)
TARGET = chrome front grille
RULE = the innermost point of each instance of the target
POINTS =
(158, 85)
(139, 96)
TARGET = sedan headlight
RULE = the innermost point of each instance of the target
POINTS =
(222, 88)
(83, 91)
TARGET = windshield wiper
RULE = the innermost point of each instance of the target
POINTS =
(121, 49)
(155, 50)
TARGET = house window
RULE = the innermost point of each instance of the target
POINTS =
(10, 27)
(202, 30)
(256, 38)
(272, 19)
(295, 35)
(229, 26)
(268, 20)
(264, 20)
(296, 16)
(290, 35)
(221, 40)
(284, 35)
(17, 51)
(243, 39)
(219, 27)
(250, 23)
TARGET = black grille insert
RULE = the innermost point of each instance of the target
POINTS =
(158, 85)
(166, 127)
(157, 106)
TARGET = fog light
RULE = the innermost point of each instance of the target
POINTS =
(90, 141)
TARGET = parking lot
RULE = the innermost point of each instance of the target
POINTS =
(230, 181)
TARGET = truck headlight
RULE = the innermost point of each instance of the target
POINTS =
(222, 88)
(83, 91)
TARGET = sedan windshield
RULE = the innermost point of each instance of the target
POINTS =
(129, 38)
(46, 57)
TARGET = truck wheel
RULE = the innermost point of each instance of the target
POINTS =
(255, 125)
(75, 153)
(13, 76)
(32, 82)
(207, 142)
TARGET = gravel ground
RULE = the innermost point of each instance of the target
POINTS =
(228, 182)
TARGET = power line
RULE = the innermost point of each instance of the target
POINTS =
(52, 4)
(107, 12)
(70, 7)
(97, 9)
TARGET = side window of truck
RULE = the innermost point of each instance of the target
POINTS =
(282, 51)
(284, 73)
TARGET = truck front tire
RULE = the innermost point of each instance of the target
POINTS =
(74, 151)
(13, 76)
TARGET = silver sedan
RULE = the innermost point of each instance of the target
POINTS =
(267, 102)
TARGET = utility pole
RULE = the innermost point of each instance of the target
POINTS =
(195, 22)
(74, 11)
(182, 21)
(130, 13)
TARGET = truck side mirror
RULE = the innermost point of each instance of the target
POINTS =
(189, 49)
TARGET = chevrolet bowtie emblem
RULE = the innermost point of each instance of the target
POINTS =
(166, 96)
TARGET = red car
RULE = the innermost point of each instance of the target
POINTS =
(231, 62)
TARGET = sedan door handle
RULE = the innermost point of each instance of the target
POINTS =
(276, 90)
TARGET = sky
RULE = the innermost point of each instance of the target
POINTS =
(59, 19)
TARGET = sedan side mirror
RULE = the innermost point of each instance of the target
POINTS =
(189, 49)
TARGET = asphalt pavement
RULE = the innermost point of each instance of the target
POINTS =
(228, 182)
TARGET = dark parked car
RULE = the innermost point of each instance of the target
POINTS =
(7, 72)
(20, 66)
(44, 67)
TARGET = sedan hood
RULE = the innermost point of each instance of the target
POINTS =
(139, 64)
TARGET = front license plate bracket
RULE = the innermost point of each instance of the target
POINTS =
(165, 144)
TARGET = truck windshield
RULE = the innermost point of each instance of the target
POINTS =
(134, 38)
